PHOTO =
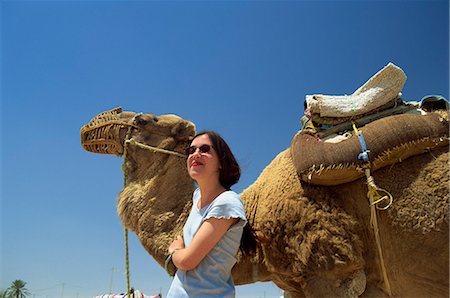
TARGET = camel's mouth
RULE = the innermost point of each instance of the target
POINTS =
(102, 133)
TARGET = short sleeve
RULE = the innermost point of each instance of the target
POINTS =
(227, 205)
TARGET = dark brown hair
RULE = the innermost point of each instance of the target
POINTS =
(230, 171)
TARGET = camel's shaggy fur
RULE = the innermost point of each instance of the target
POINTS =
(312, 241)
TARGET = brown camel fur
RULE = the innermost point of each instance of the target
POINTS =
(311, 241)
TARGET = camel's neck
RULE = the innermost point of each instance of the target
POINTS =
(157, 199)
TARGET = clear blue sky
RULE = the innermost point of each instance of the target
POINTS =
(242, 68)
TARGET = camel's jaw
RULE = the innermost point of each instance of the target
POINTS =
(106, 132)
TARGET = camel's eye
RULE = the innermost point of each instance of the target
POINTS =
(155, 119)
(141, 122)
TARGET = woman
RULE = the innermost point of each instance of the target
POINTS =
(207, 251)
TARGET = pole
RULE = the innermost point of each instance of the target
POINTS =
(111, 280)
(62, 291)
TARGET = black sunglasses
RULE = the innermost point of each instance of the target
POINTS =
(205, 148)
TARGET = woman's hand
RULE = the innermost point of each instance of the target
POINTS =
(176, 244)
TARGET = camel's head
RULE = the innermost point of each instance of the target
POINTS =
(107, 132)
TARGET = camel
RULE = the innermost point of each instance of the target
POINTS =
(311, 241)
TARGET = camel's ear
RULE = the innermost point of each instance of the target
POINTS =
(184, 130)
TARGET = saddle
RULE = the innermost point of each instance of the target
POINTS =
(389, 140)
(326, 151)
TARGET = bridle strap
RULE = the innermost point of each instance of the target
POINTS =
(153, 149)
(129, 140)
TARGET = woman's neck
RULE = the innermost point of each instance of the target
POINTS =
(208, 192)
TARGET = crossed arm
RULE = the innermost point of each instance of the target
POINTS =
(208, 235)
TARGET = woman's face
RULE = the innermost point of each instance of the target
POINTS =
(203, 165)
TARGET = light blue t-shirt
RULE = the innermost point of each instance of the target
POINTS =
(212, 276)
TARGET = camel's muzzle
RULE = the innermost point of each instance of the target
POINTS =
(102, 133)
